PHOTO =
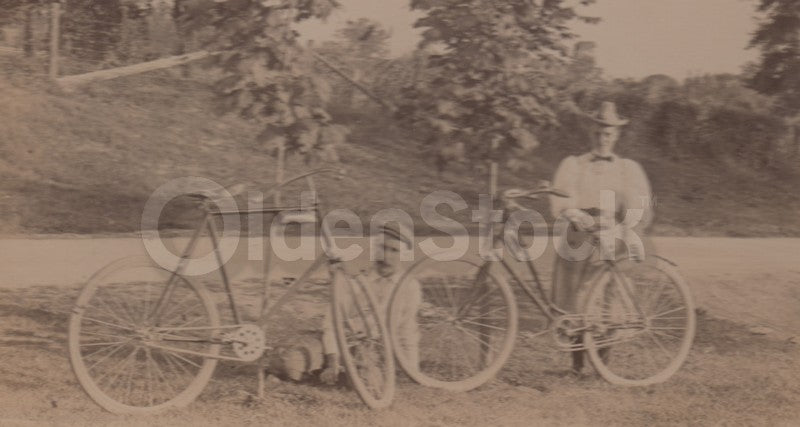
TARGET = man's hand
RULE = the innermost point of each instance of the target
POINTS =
(330, 375)
(579, 218)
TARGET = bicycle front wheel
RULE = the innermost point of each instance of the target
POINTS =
(363, 340)
(645, 315)
(463, 322)
(138, 335)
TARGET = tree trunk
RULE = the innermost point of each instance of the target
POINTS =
(796, 135)
(493, 179)
(279, 172)
(27, 32)
(673, 144)
(55, 36)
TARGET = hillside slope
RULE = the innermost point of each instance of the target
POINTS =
(86, 162)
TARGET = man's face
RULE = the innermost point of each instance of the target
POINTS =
(605, 139)
(392, 249)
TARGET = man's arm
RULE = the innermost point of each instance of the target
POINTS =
(329, 345)
(408, 329)
(565, 179)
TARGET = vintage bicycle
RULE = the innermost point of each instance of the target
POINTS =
(468, 320)
(143, 338)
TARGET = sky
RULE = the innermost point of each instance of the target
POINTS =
(635, 38)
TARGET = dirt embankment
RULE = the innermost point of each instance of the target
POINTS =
(86, 162)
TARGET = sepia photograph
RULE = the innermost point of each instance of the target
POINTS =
(399, 212)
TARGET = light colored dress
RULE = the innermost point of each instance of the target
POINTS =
(594, 183)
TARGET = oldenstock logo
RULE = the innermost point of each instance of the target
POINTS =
(183, 187)
(342, 224)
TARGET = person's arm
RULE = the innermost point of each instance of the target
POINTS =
(639, 211)
(329, 345)
(408, 329)
(637, 196)
(565, 180)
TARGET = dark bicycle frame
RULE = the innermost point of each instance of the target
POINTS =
(546, 306)
(208, 224)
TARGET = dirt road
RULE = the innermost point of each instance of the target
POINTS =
(736, 374)
(755, 281)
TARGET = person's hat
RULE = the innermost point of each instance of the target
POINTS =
(398, 231)
(607, 115)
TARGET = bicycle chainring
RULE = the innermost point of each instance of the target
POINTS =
(248, 342)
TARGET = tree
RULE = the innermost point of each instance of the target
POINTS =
(265, 74)
(778, 37)
(725, 90)
(778, 70)
(365, 38)
(492, 88)
(672, 126)
(91, 29)
(580, 77)
(359, 49)
(28, 8)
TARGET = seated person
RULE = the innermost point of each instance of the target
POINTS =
(306, 358)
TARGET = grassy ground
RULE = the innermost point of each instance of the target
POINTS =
(732, 377)
(86, 162)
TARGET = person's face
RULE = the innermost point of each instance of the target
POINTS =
(392, 249)
(605, 139)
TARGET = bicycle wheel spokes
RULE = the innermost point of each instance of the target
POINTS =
(124, 361)
(369, 358)
(648, 318)
(363, 341)
(466, 322)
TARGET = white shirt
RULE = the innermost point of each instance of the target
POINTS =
(381, 288)
(585, 180)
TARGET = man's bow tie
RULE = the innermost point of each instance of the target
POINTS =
(598, 158)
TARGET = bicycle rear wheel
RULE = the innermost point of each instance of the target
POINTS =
(127, 361)
(646, 316)
(363, 340)
(466, 319)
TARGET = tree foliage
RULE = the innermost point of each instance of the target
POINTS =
(92, 29)
(266, 75)
(491, 87)
(364, 38)
(778, 37)
(577, 78)
(360, 50)
(26, 9)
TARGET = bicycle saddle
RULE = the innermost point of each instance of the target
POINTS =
(217, 194)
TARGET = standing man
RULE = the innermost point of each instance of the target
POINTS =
(602, 188)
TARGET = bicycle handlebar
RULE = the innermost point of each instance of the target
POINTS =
(543, 188)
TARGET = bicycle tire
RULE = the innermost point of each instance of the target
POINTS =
(375, 387)
(88, 317)
(437, 370)
(631, 369)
